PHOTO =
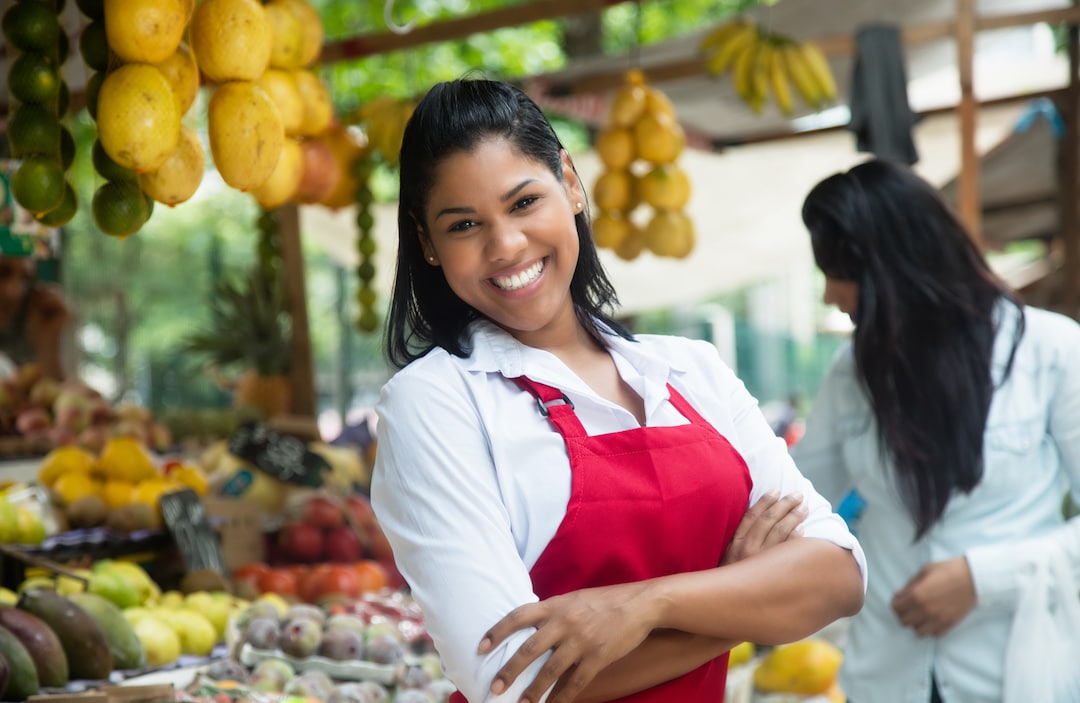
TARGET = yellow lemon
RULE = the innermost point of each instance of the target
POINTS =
(281, 186)
(180, 69)
(318, 110)
(615, 146)
(73, 486)
(232, 39)
(179, 177)
(161, 642)
(741, 654)
(191, 477)
(30, 528)
(66, 459)
(138, 118)
(628, 102)
(313, 30)
(659, 138)
(665, 187)
(632, 245)
(246, 133)
(126, 459)
(145, 31)
(9, 522)
(614, 190)
(117, 493)
(280, 85)
(287, 44)
(610, 229)
(670, 233)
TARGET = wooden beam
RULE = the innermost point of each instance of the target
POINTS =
(301, 363)
(1070, 179)
(968, 195)
(458, 28)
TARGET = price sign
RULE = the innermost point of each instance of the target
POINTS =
(284, 457)
(186, 519)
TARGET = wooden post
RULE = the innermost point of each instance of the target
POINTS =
(969, 201)
(1070, 178)
(302, 369)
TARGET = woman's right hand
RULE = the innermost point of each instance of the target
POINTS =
(767, 523)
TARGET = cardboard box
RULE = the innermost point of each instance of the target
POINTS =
(239, 523)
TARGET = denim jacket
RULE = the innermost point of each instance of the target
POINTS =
(1031, 457)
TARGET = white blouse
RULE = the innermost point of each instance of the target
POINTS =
(471, 482)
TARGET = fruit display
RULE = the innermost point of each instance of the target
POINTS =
(763, 63)
(641, 193)
(799, 672)
(35, 128)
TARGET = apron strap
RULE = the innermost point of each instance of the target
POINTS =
(554, 405)
(687, 409)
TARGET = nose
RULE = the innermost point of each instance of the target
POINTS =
(505, 241)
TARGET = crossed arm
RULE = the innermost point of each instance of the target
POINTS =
(613, 641)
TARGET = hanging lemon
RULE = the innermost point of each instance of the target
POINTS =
(137, 117)
(246, 134)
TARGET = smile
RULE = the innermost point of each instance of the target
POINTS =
(519, 280)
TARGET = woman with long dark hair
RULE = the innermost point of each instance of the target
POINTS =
(955, 414)
(563, 497)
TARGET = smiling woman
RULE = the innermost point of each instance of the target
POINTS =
(566, 499)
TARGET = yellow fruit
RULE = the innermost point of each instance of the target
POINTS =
(180, 69)
(835, 694)
(192, 477)
(318, 110)
(9, 522)
(179, 177)
(313, 30)
(138, 119)
(66, 585)
(287, 45)
(659, 138)
(66, 459)
(117, 494)
(658, 103)
(246, 134)
(610, 229)
(670, 233)
(741, 654)
(160, 641)
(73, 486)
(145, 31)
(665, 187)
(171, 600)
(231, 39)
(280, 85)
(8, 596)
(807, 667)
(347, 146)
(126, 459)
(628, 102)
(632, 244)
(281, 186)
(614, 190)
(615, 146)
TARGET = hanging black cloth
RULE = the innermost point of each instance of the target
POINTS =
(881, 117)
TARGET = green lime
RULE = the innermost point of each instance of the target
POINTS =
(62, 213)
(93, 45)
(368, 320)
(38, 185)
(31, 26)
(93, 87)
(366, 270)
(364, 220)
(33, 129)
(119, 208)
(34, 78)
(366, 296)
(106, 167)
(94, 9)
(366, 246)
(67, 148)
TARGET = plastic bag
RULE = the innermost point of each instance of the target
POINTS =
(1044, 645)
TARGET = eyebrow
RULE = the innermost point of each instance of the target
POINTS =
(468, 210)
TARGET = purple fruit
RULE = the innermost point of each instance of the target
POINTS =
(300, 638)
(384, 648)
(310, 684)
(342, 645)
(227, 669)
(306, 610)
(414, 676)
(262, 633)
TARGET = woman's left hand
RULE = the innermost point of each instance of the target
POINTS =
(585, 631)
(937, 598)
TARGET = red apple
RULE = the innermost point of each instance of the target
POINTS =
(343, 546)
(323, 513)
(301, 542)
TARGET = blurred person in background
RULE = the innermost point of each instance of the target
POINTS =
(33, 317)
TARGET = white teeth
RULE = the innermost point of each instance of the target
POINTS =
(520, 280)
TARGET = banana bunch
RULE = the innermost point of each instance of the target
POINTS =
(383, 120)
(761, 63)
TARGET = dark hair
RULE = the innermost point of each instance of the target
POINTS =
(453, 117)
(924, 327)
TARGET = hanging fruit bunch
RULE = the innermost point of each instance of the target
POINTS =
(761, 62)
(639, 148)
(35, 131)
(368, 318)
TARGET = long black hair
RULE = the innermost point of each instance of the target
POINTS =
(456, 116)
(924, 327)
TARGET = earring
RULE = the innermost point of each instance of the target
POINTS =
(580, 206)
(431, 259)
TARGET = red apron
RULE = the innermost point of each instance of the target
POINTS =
(645, 502)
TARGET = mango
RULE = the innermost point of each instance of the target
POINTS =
(807, 667)
(22, 676)
(41, 644)
(88, 653)
(127, 650)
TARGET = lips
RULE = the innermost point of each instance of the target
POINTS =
(519, 280)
